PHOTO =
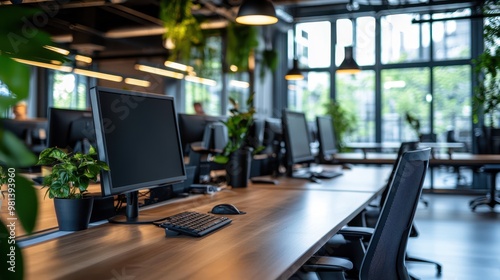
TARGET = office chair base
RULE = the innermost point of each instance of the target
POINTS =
(486, 200)
(439, 268)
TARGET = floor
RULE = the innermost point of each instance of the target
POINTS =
(466, 243)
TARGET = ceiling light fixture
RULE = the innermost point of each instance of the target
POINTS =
(178, 66)
(83, 58)
(159, 71)
(137, 82)
(349, 65)
(195, 79)
(61, 68)
(294, 74)
(98, 75)
(257, 12)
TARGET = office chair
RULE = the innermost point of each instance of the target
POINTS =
(490, 199)
(384, 257)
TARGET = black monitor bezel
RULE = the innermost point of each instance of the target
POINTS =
(325, 153)
(64, 118)
(106, 180)
(291, 158)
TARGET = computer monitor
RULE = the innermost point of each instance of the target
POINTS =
(33, 132)
(296, 136)
(72, 130)
(138, 137)
(326, 137)
(192, 128)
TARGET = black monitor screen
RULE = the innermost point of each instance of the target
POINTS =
(326, 136)
(192, 127)
(31, 131)
(138, 136)
(68, 129)
(297, 140)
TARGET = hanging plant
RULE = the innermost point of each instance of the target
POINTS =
(241, 40)
(182, 28)
(269, 62)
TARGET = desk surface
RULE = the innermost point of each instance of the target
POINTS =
(281, 230)
(456, 159)
(360, 178)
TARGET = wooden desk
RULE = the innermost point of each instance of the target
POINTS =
(359, 179)
(456, 159)
(365, 147)
(281, 230)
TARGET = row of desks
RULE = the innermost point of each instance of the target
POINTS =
(284, 225)
(456, 159)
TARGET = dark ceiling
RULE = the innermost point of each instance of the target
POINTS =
(121, 28)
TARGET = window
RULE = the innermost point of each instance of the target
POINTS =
(404, 41)
(405, 90)
(68, 91)
(313, 41)
(365, 41)
(206, 87)
(356, 93)
(452, 103)
(310, 95)
(451, 38)
(344, 38)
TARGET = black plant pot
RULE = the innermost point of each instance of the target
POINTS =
(73, 214)
(238, 168)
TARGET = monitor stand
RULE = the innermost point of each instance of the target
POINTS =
(132, 212)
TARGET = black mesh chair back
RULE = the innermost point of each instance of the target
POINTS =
(405, 147)
(385, 255)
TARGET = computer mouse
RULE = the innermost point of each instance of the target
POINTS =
(347, 166)
(227, 209)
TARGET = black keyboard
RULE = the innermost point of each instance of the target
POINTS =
(324, 174)
(193, 223)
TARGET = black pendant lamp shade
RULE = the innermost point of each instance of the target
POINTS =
(348, 66)
(257, 12)
(294, 73)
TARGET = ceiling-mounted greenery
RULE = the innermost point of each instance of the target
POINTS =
(182, 28)
(269, 61)
(241, 40)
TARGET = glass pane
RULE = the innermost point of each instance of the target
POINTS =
(365, 41)
(69, 91)
(404, 91)
(313, 41)
(452, 104)
(310, 95)
(206, 87)
(356, 93)
(207, 95)
(451, 38)
(403, 41)
(239, 89)
(344, 38)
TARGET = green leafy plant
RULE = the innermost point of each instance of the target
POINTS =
(413, 122)
(486, 98)
(182, 28)
(238, 126)
(343, 122)
(269, 61)
(71, 172)
(241, 41)
(21, 39)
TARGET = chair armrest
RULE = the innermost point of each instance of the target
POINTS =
(356, 232)
(324, 263)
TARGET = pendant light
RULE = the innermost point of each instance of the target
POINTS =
(257, 12)
(349, 65)
(294, 74)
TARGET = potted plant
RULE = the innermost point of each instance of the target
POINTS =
(68, 183)
(486, 98)
(237, 154)
(343, 122)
